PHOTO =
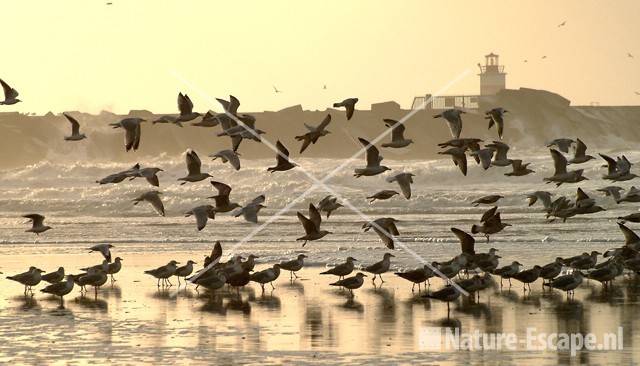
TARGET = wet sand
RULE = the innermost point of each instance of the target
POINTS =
(302, 321)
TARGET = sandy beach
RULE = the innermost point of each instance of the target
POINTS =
(305, 321)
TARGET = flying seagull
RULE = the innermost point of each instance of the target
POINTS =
(228, 156)
(250, 211)
(10, 94)
(314, 133)
(282, 159)
(185, 106)
(37, 224)
(153, 197)
(311, 225)
(349, 104)
(276, 90)
(373, 161)
(194, 174)
(104, 249)
(386, 229)
(404, 180)
(222, 198)
(133, 131)
(397, 134)
(496, 116)
(454, 120)
(75, 129)
(202, 214)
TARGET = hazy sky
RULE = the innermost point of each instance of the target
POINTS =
(86, 55)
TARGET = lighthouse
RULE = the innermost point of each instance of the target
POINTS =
(492, 77)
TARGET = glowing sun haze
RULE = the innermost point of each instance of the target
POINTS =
(89, 56)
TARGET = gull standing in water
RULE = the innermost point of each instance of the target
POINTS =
(343, 269)
(282, 159)
(104, 249)
(351, 283)
(294, 265)
(386, 229)
(75, 130)
(349, 104)
(202, 214)
(328, 205)
(223, 204)
(29, 279)
(404, 181)
(153, 197)
(454, 120)
(184, 271)
(314, 134)
(250, 211)
(507, 271)
(10, 94)
(114, 268)
(228, 156)
(311, 225)
(496, 116)
(37, 224)
(55, 276)
(397, 134)
(266, 276)
(446, 294)
(382, 195)
(567, 283)
(379, 268)
(528, 276)
(194, 165)
(373, 161)
(417, 276)
(60, 289)
(133, 130)
(164, 272)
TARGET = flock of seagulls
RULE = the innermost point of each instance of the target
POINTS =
(238, 271)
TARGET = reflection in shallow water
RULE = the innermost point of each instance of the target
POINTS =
(134, 321)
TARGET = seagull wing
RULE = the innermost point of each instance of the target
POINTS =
(35, 218)
(283, 156)
(223, 189)
(489, 214)
(193, 162)
(201, 218)
(559, 162)
(234, 104)
(314, 216)
(350, 107)
(581, 148)
(137, 133)
(612, 166)
(156, 202)
(185, 106)
(373, 155)
(9, 92)
(308, 225)
(630, 237)
(75, 126)
(467, 242)
(325, 122)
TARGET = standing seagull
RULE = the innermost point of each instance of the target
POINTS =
(404, 181)
(397, 134)
(373, 161)
(153, 197)
(496, 116)
(342, 269)
(454, 120)
(202, 214)
(10, 94)
(185, 105)
(379, 268)
(60, 289)
(282, 159)
(229, 156)
(351, 283)
(29, 279)
(37, 224)
(386, 229)
(311, 225)
(349, 104)
(194, 165)
(294, 265)
(314, 133)
(223, 204)
(104, 249)
(75, 130)
(133, 131)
